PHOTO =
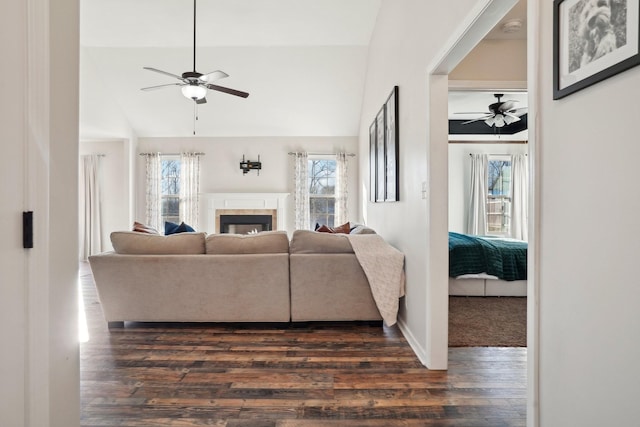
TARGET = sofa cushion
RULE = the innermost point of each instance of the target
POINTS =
(134, 243)
(266, 242)
(314, 242)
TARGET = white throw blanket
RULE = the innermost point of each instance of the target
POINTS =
(384, 267)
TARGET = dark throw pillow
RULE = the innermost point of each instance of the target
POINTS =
(173, 228)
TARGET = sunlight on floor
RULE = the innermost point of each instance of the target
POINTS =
(83, 331)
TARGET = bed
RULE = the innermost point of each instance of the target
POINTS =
(487, 266)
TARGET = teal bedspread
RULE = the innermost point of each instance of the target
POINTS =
(503, 258)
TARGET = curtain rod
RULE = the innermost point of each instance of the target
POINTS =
(169, 154)
(503, 154)
(291, 153)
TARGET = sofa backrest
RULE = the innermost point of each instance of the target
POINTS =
(314, 242)
(266, 242)
(135, 243)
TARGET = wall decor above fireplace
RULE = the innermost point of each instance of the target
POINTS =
(248, 165)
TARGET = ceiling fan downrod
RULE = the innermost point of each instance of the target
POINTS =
(194, 36)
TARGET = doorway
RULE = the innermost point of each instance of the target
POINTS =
(481, 20)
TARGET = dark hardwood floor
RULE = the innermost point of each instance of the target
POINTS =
(257, 375)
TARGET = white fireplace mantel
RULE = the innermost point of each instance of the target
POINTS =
(215, 201)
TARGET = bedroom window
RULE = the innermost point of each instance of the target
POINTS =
(322, 191)
(499, 195)
(170, 188)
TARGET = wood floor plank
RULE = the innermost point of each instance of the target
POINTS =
(287, 375)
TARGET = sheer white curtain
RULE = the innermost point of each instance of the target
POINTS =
(519, 198)
(190, 188)
(90, 207)
(477, 223)
(342, 178)
(153, 217)
(301, 190)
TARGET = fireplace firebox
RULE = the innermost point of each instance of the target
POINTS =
(245, 224)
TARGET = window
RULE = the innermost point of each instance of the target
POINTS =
(322, 191)
(170, 188)
(499, 195)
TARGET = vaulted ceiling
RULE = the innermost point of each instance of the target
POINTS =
(302, 61)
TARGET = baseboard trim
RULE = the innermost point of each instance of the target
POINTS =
(413, 342)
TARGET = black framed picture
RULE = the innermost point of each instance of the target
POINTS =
(592, 41)
(380, 155)
(372, 162)
(391, 149)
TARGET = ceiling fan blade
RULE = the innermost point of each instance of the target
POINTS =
(510, 118)
(201, 101)
(518, 111)
(227, 90)
(473, 112)
(477, 120)
(507, 105)
(161, 86)
(213, 76)
(164, 72)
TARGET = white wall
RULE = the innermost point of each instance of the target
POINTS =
(100, 115)
(588, 247)
(460, 177)
(407, 37)
(220, 166)
(115, 193)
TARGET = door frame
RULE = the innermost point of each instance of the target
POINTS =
(483, 17)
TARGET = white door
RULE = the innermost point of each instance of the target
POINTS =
(38, 286)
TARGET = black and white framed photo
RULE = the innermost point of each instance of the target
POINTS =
(592, 41)
(380, 155)
(391, 150)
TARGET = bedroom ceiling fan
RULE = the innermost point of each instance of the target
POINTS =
(195, 85)
(500, 113)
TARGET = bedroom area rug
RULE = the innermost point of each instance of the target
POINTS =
(487, 322)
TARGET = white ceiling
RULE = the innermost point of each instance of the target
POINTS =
(302, 61)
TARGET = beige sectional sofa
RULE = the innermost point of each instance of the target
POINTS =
(194, 277)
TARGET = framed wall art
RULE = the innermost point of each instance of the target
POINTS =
(592, 41)
(383, 152)
(380, 156)
(391, 184)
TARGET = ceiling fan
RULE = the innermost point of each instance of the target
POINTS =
(500, 113)
(194, 85)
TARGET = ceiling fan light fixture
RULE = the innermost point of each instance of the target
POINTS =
(490, 121)
(499, 121)
(194, 92)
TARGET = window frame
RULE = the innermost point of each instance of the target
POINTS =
(504, 199)
(330, 216)
(169, 196)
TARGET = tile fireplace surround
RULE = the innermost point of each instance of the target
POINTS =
(217, 204)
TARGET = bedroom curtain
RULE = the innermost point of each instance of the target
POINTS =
(190, 188)
(152, 197)
(301, 190)
(342, 178)
(519, 198)
(90, 205)
(477, 222)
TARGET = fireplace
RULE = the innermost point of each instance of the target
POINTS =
(245, 221)
(245, 224)
(249, 205)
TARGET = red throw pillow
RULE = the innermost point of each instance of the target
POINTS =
(141, 228)
(344, 229)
